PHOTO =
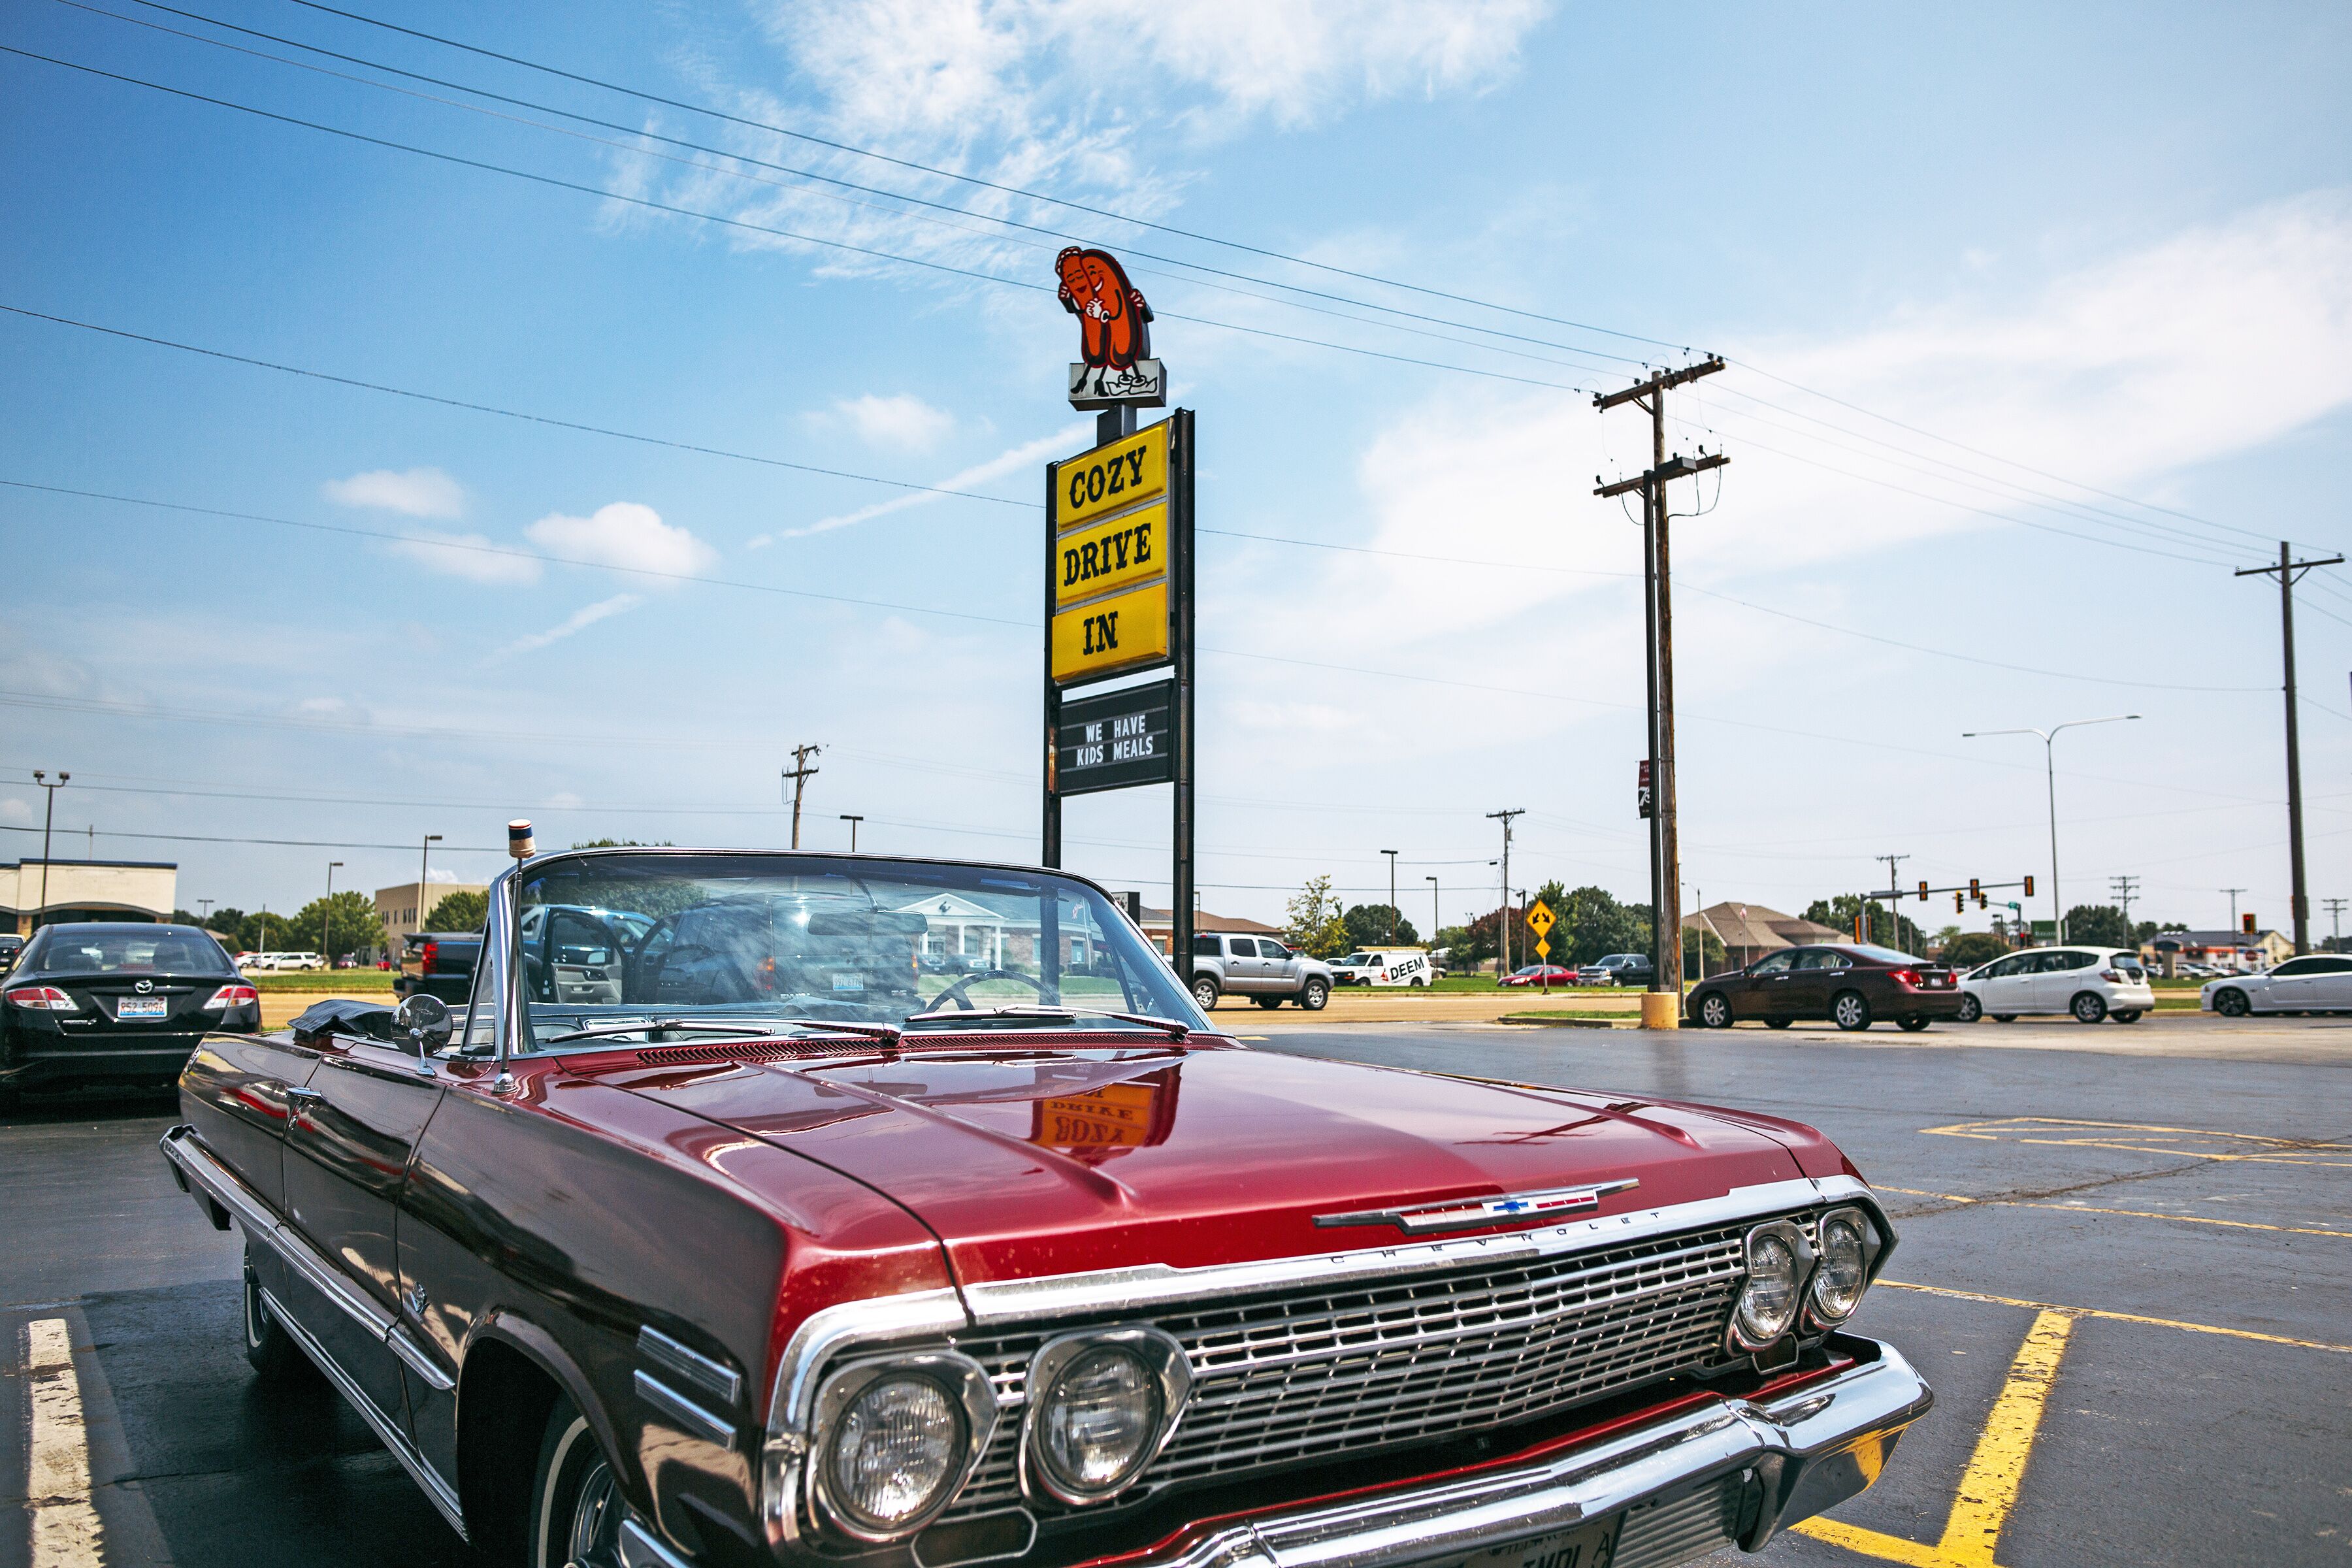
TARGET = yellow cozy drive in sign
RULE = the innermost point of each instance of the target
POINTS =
(1111, 635)
(1111, 477)
(1127, 550)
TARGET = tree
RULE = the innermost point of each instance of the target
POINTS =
(1316, 928)
(1886, 927)
(2098, 925)
(1477, 941)
(225, 921)
(1380, 925)
(1702, 953)
(622, 844)
(1593, 924)
(459, 911)
(1451, 940)
(1972, 948)
(1945, 936)
(333, 927)
(266, 933)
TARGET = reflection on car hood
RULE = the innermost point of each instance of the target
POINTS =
(1034, 1159)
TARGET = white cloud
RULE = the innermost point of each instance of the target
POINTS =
(14, 810)
(580, 620)
(622, 534)
(439, 873)
(471, 556)
(1021, 456)
(903, 421)
(418, 493)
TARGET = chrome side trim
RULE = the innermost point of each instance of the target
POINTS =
(440, 1491)
(1817, 1447)
(715, 1378)
(684, 1413)
(217, 1180)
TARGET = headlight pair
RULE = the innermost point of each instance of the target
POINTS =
(1788, 1276)
(897, 1437)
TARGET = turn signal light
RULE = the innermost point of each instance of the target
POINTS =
(43, 999)
(1904, 976)
(429, 958)
(229, 996)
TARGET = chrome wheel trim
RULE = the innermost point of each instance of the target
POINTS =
(593, 1541)
(1713, 1011)
(1850, 1011)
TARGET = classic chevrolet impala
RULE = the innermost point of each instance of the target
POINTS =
(768, 1207)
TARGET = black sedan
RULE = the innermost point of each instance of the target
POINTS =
(101, 1003)
(1850, 985)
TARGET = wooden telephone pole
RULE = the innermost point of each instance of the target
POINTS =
(1665, 853)
(800, 772)
(2289, 572)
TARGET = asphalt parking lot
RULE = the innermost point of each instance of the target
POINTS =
(2126, 1266)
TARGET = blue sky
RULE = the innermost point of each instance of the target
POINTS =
(2081, 284)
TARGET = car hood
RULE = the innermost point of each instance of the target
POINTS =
(1038, 1161)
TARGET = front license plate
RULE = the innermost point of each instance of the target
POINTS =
(143, 1007)
(1591, 1546)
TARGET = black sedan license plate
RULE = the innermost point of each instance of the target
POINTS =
(1589, 1545)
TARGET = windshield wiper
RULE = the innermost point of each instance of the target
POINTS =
(669, 1025)
(1017, 1011)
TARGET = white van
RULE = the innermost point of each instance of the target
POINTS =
(1385, 966)
(286, 961)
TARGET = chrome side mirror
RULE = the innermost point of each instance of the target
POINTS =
(426, 1020)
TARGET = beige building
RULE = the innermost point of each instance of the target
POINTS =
(1749, 932)
(402, 909)
(87, 890)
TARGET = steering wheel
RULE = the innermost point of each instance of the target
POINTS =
(955, 993)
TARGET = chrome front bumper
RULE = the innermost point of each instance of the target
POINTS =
(1805, 1451)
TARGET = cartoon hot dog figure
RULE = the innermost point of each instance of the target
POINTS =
(1113, 320)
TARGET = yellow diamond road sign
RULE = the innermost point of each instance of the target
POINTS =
(1541, 918)
(1543, 948)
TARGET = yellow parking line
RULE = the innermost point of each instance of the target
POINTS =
(2279, 1150)
(2118, 1316)
(66, 1532)
(1996, 1471)
(2128, 1213)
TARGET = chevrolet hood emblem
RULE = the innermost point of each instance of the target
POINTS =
(1464, 1214)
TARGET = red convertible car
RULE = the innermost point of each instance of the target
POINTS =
(718, 1228)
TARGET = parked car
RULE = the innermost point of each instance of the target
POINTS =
(2092, 983)
(1544, 975)
(347, 962)
(102, 1003)
(437, 964)
(11, 944)
(272, 962)
(1262, 968)
(2318, 984)
(1850, 985)
(1406, 966)
(789, 1273)
(1618, 969)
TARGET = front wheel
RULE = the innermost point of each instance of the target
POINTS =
(1971, 1008)
(1313, 994)
(1715, 1010)
(1417, 985)
(1204, 993)
(1848, 1010)
(2089, 1007)
(575, 1502)
(2232, 1003)
(267, 1345)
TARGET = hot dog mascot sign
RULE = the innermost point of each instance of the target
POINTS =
(1114, 333)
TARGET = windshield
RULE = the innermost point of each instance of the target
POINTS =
(130, 950)
(619, 943)
(1886, 954)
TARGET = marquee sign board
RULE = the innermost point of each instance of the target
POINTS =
(1117, 740)
(1108, 636)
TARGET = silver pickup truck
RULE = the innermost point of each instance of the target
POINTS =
(1260, 968)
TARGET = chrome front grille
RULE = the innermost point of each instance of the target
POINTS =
(1303, 1374)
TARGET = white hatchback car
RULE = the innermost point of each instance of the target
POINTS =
(2092, 983)
(2312, 984)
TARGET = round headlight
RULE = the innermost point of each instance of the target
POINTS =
(1097, 1422)
(1778, 1260)
(1844, 1271)
(896, 1449)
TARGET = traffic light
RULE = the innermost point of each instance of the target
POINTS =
(2028, 886)
(1960, 902)
(1861, 932)
(2250, 924)
(1923, 890)
(1976, 889)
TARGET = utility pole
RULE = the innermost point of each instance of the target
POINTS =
(2127, 890)
(1504, 919)
(203, 911)
(2234, 893)
(1436, 921)
(853, 820)
(800, 774)
(2336, 915)
(2290, 571)
(1393, 909)
(326, 911)
(1894, 895)
(423, 878)
(1657, 575)
(48, 820)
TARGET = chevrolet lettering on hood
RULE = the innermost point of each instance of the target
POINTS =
(847, 1211)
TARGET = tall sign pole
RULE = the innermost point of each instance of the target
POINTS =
(1118, 579)
(1662, 1007)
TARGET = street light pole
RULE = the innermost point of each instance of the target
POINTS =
(1436, 921)
(48, 820)
(853, 820)
(2049, 763)
(423, 870)
(1393, 909)
(327, 909)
